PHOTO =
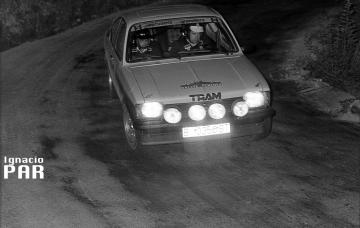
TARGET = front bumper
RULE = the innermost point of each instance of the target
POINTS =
(153, 133)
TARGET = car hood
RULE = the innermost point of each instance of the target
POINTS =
(176, 82)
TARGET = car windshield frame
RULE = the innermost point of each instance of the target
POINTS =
(222, 28)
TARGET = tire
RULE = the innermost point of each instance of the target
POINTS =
(129, 130)
(266, 130)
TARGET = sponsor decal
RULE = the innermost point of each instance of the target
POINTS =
(205, 97)
(200, 84)
(23, 168)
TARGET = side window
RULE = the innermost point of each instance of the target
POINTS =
(120, 39)
(219, 35)
(113, 32)
(213, 32)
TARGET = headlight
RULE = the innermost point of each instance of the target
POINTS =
(216, 111)
(254, 99)
(197, 112)
(151, 109)
(240, 108)
(172, 115)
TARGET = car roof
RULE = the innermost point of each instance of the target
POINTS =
(156, 12)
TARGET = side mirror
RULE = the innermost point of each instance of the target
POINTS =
(248, 49)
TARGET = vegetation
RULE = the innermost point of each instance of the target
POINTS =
(335, 51)
(23, 20)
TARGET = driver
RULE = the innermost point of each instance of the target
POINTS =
(146, 47)
(191, 42)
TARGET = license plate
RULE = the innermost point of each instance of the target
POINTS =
(198, 131)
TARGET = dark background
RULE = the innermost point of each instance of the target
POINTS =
(26, 20)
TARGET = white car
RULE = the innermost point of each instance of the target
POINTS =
(181, 75)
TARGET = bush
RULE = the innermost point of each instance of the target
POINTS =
(24, 20)
(335, 51)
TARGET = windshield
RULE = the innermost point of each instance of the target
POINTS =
(176, 38)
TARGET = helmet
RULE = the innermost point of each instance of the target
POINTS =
(143, 34)
(196, 28)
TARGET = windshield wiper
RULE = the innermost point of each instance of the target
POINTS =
(226, 52)
(181, 54)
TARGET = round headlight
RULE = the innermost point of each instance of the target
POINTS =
(197, 112)
(240, 108)
(172, 115)
(151, 109)
(216, 111)
(254, 99)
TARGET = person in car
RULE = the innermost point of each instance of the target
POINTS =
(146, 47)
(191, 40)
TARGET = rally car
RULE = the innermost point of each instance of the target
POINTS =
(181, 75)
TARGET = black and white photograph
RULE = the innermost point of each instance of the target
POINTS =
(171, 114)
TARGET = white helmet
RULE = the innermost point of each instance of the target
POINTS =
(196, 28)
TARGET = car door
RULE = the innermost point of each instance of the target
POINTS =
(119, 52)
(110, 55)
(113, 52)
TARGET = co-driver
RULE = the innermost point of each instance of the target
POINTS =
(190, 42)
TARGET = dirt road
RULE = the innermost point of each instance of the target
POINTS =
(55, 104)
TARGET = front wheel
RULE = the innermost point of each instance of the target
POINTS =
(129, 130)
